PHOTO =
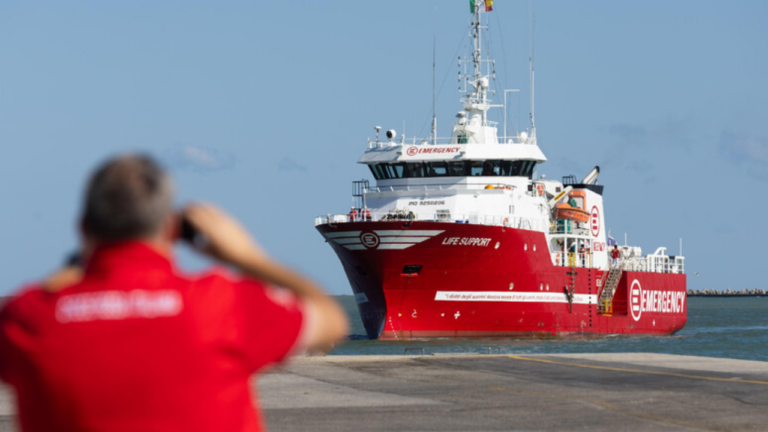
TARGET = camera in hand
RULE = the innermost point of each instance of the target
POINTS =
(190, 234)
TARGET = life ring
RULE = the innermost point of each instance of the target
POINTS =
(540, 188)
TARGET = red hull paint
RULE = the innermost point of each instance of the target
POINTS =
(394, 305)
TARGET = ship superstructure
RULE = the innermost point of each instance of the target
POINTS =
(459, 237)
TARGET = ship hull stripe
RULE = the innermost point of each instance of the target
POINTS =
(409, 233)
(351, 240)
(496, 296)
(404, 239)
(333, 235)
(395, 245)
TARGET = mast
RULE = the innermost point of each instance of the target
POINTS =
(476, 55)
(480, 82)
(476, 103)
(532, 73)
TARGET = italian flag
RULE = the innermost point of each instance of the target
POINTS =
(484, 5)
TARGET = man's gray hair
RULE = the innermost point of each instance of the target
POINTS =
(128, 197)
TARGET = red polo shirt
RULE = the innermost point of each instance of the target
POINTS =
(137, 346)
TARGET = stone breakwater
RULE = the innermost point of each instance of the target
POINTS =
(755, 292)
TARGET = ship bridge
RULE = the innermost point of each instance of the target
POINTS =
(391, 160)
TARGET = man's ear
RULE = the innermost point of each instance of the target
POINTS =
(171, 230)
(87, 243)
(85, 237)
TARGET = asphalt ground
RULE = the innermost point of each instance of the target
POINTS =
(596, 392)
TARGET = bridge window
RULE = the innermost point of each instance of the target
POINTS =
(519, 168)
(457, 169)
(485, 167)
(436, 169)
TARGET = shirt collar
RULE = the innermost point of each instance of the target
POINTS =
(127, 256)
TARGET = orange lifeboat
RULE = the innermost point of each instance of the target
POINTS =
(564, 211)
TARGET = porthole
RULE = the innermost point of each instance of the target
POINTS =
(511, 286)
(497, 245)
(525, 247)
(541, 287)
(534, 248)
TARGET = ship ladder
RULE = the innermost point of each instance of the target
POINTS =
(570, 290)
(605, 304)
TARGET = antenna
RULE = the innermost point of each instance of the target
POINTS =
(434, 114)
(532, 71)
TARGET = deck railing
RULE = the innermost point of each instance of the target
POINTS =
(648, 263)
(572, 259)
(655, 264)
(505, 221)
(510, 140)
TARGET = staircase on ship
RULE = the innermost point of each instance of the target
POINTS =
(605, 302)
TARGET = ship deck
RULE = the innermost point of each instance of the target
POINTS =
(596, 392)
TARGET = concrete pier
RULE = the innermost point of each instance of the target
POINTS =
(596, 392)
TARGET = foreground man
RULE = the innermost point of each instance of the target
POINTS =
(134, 345)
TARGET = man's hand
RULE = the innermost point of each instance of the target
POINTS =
(63, 278)
(225, 238)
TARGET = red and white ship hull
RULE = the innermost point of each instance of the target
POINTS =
(490, 281)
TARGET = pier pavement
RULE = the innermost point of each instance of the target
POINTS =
(596, 392)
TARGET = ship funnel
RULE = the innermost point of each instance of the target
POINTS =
(591, 178)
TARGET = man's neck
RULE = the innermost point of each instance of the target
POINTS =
(160, 245)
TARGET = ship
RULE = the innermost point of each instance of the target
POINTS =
(461, 237)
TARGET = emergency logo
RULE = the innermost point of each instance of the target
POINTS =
(380, 239)
(595, 221)
(420, 150)
(657, 301)
(636, 300)
(369, 240)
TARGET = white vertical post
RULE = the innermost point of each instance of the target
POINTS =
(505, 109)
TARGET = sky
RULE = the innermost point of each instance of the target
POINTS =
(264, 108)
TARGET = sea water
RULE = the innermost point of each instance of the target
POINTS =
(717, 327)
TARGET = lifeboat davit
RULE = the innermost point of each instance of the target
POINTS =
(565, 211)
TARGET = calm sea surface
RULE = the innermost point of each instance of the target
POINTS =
(717, 327)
